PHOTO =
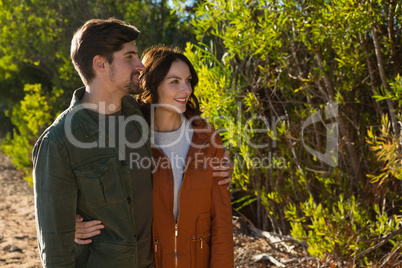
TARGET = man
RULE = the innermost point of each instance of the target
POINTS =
(79, 168)
(82, 161)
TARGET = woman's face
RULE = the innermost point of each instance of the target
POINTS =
(175, 89)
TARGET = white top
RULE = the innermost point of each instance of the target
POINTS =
(175, 145)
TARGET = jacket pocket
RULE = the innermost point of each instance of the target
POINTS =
(201, 242)
(100, 182)
(107, 254)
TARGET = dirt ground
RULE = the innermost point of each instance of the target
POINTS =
(18, 245)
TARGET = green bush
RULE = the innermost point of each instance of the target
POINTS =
(287, 62)
(30, 117)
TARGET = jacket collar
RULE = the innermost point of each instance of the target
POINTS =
(87, 124)
(80, 115)
(202, 130)
(202, 135)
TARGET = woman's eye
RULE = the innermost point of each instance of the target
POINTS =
(188, 81)
(175, 82)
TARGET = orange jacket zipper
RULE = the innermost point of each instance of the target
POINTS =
(176, 232)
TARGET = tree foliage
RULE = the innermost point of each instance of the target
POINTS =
(35, 40)
(310, 80)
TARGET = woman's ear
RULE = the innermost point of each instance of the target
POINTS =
(98, 63)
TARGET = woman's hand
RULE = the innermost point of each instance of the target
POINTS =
(225, 170)
(86, 229)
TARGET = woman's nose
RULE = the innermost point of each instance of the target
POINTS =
(186, 88)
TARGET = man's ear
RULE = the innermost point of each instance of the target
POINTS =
(99, 63)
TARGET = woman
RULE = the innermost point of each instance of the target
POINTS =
(192, 214)
(192, 223)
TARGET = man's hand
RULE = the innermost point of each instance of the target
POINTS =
(225, 170)
(86, 229)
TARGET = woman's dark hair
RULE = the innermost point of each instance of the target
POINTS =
(157, 61)
(99, 37)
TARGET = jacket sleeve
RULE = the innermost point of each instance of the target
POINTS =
(55, 191)
(222, 254)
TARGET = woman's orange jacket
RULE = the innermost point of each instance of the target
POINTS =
(203, 234)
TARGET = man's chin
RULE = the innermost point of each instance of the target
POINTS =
(136, 91)
(133, 90)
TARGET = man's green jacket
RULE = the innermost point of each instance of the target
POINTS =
(75, 171)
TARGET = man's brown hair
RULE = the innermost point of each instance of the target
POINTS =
(99, 37)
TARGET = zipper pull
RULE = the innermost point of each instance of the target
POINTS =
(156, 245)
(201, 242)
(176, 231)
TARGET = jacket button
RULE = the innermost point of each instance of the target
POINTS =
(128, 200)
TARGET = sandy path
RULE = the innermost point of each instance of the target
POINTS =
(18, 246)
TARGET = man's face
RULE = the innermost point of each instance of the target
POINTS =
(125, 70)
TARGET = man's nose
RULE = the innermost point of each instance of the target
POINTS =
(139, 67)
